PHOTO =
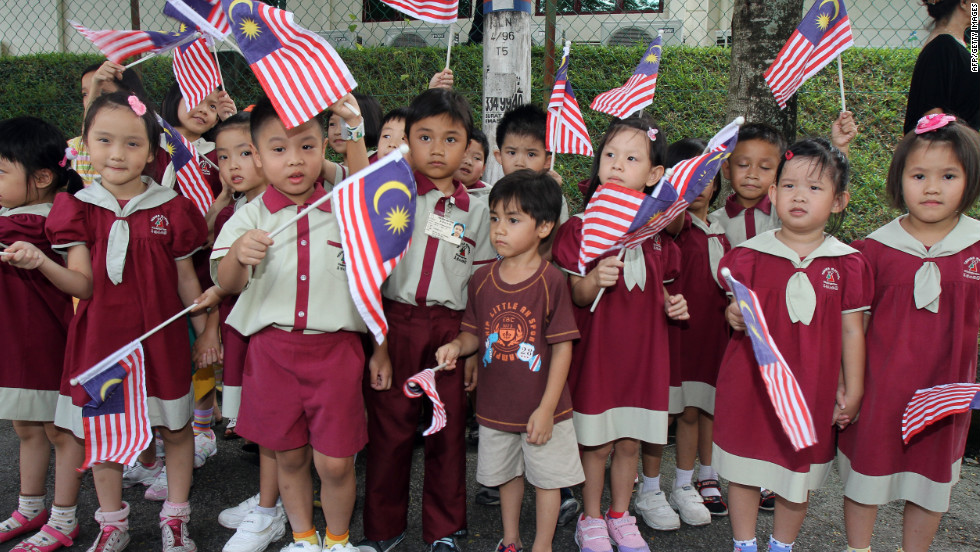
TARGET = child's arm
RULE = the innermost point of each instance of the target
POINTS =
(464, 345)
(843, 131)
(75, 278)
(542, 420)
(852, 353)
(585, 288)
(733, 315)
(226, 105)
(107, 72)
(247, 251)
(470, 371)
(379, 366)
(350, 112)
(676, 225)
(189, 290)
(207, 346)
(675, 306)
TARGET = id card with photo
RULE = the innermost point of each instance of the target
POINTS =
(445, 229)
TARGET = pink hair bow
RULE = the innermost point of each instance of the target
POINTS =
(931, 123)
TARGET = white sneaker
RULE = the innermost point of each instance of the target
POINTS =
(256, 532)
(111, 539)
(656, 512)
(303, 546)
(232, 517)
(140, 474)
(175, 536)
(342, 548)
(205, 446)
(157, 491)
(689, 504)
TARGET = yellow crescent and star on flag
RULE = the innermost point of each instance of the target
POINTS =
(824, 19)
(397, 218)
(107, 388)
(248, 27)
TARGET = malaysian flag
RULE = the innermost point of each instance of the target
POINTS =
(507, 5)
(638, 91)
(425, 383)
(935, 403)
(784, 391)
(206, 15)
(566, 129)
(117, 46)
(376, 211)
(433, 11)
(299, 71)
(613, 212)
(196, 71)
(117, 425)
(183, 156)
(823, 34)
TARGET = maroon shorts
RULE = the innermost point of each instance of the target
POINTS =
(303, 389)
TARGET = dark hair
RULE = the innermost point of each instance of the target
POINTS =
(238, 120)
(524, 120)
(827, 158)
(764, 132)
(397, 113)
(535, 193)
(686, 149)
(371, 112)
(36, 145)
(117, 100)
(480, 137)
(941, 11)
(965, 143)
(440, 101)
(130, 80)
(638, 121)
(263, 112)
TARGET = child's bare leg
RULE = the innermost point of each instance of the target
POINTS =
(69, 452)
(859, 520)
(149, 454)
(268, 478)
(35, 454)
(338, 489)
(787, 519)
(706, 424)
(511, 498)
(594, 465)
(547, 504)
(653, 455)
(919, 527)
(743, 508)
(622, 473)
(108, 485)
(179, 449)
(687, 438)
(296, 487)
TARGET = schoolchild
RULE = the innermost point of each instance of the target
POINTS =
(470, 172)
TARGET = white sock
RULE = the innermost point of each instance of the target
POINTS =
(705, 473)
(30, 506)
(271, 512)
(682, 478)
(63, 518)
(650, 484)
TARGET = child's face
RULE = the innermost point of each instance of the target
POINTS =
(236, 160)
(107, 87)
(291, 159)
(13, 184)
(334, 133)
(201, 119)
(933, 183)
(118, 145)
(437, 147)
(522, 152)
(392, 135)
(704, 198)
(472, 168)
(805, 197)
(626, 161)
(513, 231)
(752, 169)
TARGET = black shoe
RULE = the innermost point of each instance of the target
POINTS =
(488, 496)
(445, 544)
(379, 546)
(570, 508)
(767, 500)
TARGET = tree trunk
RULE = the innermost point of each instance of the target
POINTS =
(760, 28)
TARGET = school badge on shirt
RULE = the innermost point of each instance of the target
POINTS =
(831, 278)
(971, 268)
(159, 225)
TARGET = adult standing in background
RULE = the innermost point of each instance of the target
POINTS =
(944, 79)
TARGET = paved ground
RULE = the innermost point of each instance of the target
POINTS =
(232, 476)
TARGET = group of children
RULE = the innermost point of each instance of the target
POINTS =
(563, 390)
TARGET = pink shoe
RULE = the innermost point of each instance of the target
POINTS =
(23, 525)
(591, 535)
(624, 532)
(48, 539)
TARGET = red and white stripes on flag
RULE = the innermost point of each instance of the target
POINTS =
(425, 382)
(784, 392)
(117, 46)
(187, 171)
(566, 132)
(824, 34)
(606, 219)
(935, 403)
(433, 11)
(196, 71)
(639, 89)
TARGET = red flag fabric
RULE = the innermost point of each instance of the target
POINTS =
(566, 131)
(183, 156)
(935, 403)
(196, 71)
(433, 11)
(299, 71)
(425, 382)
(638, 91)
(823, 34)
(118, 46)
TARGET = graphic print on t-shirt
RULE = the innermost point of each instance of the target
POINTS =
(512, 331)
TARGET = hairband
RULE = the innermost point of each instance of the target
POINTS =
(70, 155)
(138, 107)
(932, 123)
(652, 134)
(788, 155)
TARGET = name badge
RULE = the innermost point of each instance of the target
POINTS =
(445, 229)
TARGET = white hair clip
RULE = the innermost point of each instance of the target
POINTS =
(652, 134)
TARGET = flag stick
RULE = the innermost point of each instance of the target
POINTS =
(2, 253)
(603, 290)
(191, 37)
(840, 78)
(553, 138)
(217, 63)
(449, 44)
(416, 388)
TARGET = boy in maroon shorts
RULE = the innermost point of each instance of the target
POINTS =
(304, 365)
(424, 300)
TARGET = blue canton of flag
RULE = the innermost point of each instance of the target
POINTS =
(190, 179)
(507, 5)
(206, 15)
(105, 390)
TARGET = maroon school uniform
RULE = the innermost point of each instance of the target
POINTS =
(33, 323)
(620, 369)
(233, 343)
(911, 348)
(163, 227)
(759, 453)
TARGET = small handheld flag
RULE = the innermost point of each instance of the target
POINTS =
(823, 34)
(189, 176)
(638, 91)
(425, 383)
(118, 46)
(935, 403)
(566, 130)
(784, 392)
(433, 11)
(205, 15)
(196, 72)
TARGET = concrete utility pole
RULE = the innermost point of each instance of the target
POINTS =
(506, 73)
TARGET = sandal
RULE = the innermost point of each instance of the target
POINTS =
(767, 500)
(230, 429)
(715, 503)
(58, 539)
(23, 526)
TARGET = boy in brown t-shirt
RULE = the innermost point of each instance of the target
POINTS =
(519, 316)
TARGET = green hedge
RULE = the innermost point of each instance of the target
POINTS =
(690, 100)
